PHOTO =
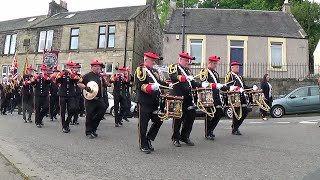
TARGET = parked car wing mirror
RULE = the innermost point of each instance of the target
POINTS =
(292, 96)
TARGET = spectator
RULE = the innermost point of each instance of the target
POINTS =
(267, 91)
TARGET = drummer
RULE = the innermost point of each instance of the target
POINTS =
(180, 73)
(238, 85)
(212, 76)
(148, 91)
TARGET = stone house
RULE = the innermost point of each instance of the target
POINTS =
(270, 42)
(316, 56)
(117, 36)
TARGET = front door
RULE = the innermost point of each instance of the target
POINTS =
(237, 53)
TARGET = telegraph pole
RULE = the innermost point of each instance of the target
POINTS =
(183, 25)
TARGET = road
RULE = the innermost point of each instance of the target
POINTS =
(286, 148)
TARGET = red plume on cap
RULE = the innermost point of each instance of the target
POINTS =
(70, 63)
(30, 67)
(235, 63)
(55, 69)
(44, 67)
(153, 55)
(187, 56)
(214, 58)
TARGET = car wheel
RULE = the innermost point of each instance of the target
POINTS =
(277, 111)
(113, 114)
(229, 112)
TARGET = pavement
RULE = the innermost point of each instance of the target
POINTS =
(277, 149)
(8, 171)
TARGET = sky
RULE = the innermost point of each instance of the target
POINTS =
(13, 9)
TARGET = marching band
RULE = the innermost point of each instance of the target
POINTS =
(69, 92)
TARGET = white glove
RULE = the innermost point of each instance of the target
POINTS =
(241, 90)
(204, 84)
(155, 86)
(219, 85)
(190, 78)
(8, 83)
(170, 86)
(232, 88)
(29, 82)
(254, 87)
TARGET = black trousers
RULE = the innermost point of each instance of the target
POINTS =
(81, 105)
(41, 108)
(212, 122)
(95, 110)
(237, 123)
(263, 112)
(17, 102)
(54, 106)
(145, 114)
(66, 104)
(77, 109)
(120, 101)
(186, 121)
(27, 105)
(4, 104)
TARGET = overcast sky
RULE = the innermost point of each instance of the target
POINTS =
(13, 9)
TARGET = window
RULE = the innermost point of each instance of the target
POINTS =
(314, 91)
(10, 44)
(6, 71)
(102, 37)
(237, 52)
(276, 54)
(111, 36)
(301, 92)
(45, 40)
(108, 69)
(196, 50)
(74, 38)
(38, 66)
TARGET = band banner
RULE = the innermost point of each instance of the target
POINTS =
(50, 58)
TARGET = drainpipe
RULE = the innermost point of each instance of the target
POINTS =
(125, 46)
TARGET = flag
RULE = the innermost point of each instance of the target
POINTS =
(26, 64)
(14, 66)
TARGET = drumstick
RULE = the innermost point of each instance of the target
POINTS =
(166, 87)
(179, 81)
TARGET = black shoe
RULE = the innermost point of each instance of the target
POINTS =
(90, 136)
(187, 141)
(25, 121)
(145, 150)
(55, 117)
(94, 134)
(150, 145)
(64, 130)
(236, 132)
(210, 137)
(4, 113)
(39, 126)
(76, 123)
(126, 119)
(120, 123)
(41, 123)
(176, 143)
(116, 125)
(72, 123)
(19, 113)
(51, 119)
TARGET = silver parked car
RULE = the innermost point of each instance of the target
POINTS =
(110, 110)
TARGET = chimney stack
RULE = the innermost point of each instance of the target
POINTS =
(153, 3)
(173, 5)
(55, 8)
(286, 6)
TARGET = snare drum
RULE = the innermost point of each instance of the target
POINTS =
(255, 97)
(172, 106)
(232, 98)
(204, 97)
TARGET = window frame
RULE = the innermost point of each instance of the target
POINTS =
(10, 44)
(191, 43)
(102, 34)
(74, 36)
(104, 70)
(45, 40)
(109, 34)
(8, 72)
(245, 50)
(283, 66)
(204, 48)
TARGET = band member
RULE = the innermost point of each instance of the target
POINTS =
(41, 84)
(67, 91)
(16, 93)
(212, 76)
(27, 95)
(120, 82)
(95, 108)
(5, 95)
(54, 99)
(181, 73)
(77, 97)
(238, 85)
(106, 99)
(148, 92)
